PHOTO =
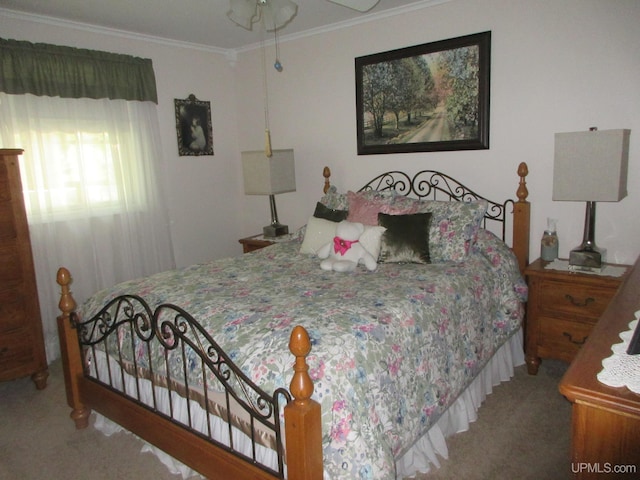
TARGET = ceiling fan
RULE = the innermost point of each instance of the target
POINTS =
(277, 13)
(359, 5)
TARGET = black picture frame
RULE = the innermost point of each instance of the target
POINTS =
(425, 98)
(193, 126)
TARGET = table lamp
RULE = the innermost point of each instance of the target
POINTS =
(590, 166)
(269, 175)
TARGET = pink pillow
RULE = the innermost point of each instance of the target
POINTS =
(364, 208)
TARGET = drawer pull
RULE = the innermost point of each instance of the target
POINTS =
(587, 301)
(576, 342)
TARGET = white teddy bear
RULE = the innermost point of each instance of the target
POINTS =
(345, 251)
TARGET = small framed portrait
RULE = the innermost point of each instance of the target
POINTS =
(193, 125)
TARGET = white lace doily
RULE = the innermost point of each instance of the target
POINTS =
(621, 369)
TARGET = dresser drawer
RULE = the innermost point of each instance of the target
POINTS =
(5, 191)
(8, 232)
(10, 266)
(17, 353)
(574, 299)
(13, 307)
(561, 339)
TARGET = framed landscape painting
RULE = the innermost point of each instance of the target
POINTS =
(425, 98)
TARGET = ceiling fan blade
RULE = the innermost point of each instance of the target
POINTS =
(359, 5)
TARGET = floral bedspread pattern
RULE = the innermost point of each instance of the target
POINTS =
(391, 349)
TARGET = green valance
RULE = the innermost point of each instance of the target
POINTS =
(57, 71)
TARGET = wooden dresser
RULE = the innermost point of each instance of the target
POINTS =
(605, 420)
(21, 341)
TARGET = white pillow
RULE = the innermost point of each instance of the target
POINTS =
(318, 233)
(371, 239)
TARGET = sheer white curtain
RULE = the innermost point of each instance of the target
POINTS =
(91, 181)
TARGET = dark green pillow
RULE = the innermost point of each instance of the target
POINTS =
(406, 239)
(322, 211)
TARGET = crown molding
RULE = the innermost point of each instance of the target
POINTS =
(86, 27)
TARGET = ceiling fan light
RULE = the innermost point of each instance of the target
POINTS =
(277, 13)
(358, 5)
(243, 12)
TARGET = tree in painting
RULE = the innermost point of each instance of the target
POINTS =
(424, 98)
(460, 73)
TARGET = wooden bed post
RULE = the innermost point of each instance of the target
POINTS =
(326, 173)
(521, 219)
(302, 416)
(70, 350)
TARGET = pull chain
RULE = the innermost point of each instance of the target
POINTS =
(267, 133)
(277, 65)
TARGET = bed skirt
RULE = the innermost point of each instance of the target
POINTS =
(423, 455)
(456, 419)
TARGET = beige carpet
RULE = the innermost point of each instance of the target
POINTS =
(522, 433)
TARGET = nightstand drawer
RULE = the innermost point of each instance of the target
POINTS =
(561, 339)
(574, 300)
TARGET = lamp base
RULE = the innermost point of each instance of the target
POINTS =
(275, 230)
(587, 259)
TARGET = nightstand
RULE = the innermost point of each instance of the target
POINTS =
(562, 309)
(255, 242)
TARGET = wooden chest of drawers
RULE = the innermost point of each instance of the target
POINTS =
(605, 420)
(21, 340)
(562, 309)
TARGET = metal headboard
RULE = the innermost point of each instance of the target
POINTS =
(434, 185)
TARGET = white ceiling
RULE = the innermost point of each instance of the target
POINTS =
(199, 22)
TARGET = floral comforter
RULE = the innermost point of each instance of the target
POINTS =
(391, 349)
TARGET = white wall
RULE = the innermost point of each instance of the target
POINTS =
(201, 191)
(557, 65)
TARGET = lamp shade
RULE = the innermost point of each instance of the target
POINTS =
(268, 175)
(591, 165)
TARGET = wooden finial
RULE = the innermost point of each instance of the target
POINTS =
(326, 173)
(67, 303)
(302, 416)
(301, 384)
(522, 192)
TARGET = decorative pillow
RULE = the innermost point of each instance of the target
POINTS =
(365, 206)
(406, 203)
(454, 226)
(406, 239)
(318, 232)
(334, 200)
(327, 213)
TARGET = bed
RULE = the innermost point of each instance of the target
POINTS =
(265, 366)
